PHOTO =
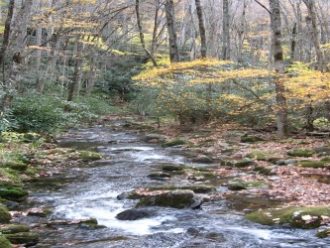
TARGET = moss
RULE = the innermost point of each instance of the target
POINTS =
(241, 185)
(259, 155)
(290, 215)
(9, 177)
(13, 193)
(323, 233)
(263, 170)
(176, 142)
(14, 228)
(89, 156)
(16, 165)
(5, 216)
(250, 139)
(28, 238)
(326, 159)
(301, 153)
(244, 163)
(4, 243)
(313, 164)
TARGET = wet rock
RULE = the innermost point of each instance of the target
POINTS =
(90, 156)
(90, 223)
(5, 216)
(172, 143)
(38, 212)
(245, 163)
(250, 139)
(14, 228)
(301, 153)
(154, 138)
(325, 233)
(236, 185)
(203, 159)
(172, 168)
(263, 170)
(134, 214)
(159, 176)
(12, 193)
(4, 243)
(298, 217)
(26, 238)
(174, 199)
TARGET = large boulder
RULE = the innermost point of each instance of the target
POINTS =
(134, 214)
(174, 199)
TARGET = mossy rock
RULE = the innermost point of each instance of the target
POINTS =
(323, 233)
(326, 159)
(298, 217)
(4, 243)
(16, 165)
(90, 223)
(245, 163)
(176, 142)
(259, 155)
(174, 199)
(170, 168)
(5, 216)
(314, 164)
(236, 185)
(250, 139)
(263, 170)
(198, 189)
(305, 153)
(27, 238)
(90, 156)
(323, 151)
(14, 228)
(12, 193)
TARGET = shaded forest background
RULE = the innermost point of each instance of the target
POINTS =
(257, 63)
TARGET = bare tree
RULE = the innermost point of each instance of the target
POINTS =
(226, 31)
(202, 32)
(170, 18)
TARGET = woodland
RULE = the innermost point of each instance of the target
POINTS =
(164, 123)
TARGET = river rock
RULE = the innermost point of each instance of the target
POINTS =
(323, 151)
(325, 233)
(14, 228)
(26, 238)
(174, 199)
(5, 216)
(154, 138)
(203, 159)
(159, 176)
(134, 214)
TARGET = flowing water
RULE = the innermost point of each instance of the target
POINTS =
(126, 164)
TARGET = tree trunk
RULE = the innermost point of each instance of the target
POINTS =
(75, 82)
(201, 25)
(226, 31)
(310, 4)
(277, 51)
(138, 19)
(170, 18)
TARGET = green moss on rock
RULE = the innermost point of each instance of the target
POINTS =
(250, 139)
(298, 217)
(13, 193)
(245, 163)
(89, 156)
(27, 238)
(314, 164)
(5, 216)
(4, 243)
(16, 165)
(14, 228)
(323, 233)
(301, 153)
(259, 155)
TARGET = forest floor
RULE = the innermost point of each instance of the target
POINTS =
(294, 171)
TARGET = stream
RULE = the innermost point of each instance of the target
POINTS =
(91, 192)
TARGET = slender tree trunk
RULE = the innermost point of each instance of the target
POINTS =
(170, 18)
(277, 51)
(155, 29)
(310, 4)
(226, 31)
(138, 18)
(293, 42)
(75, 82)
(201, 25)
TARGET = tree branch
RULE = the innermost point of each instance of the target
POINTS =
(263, 6)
